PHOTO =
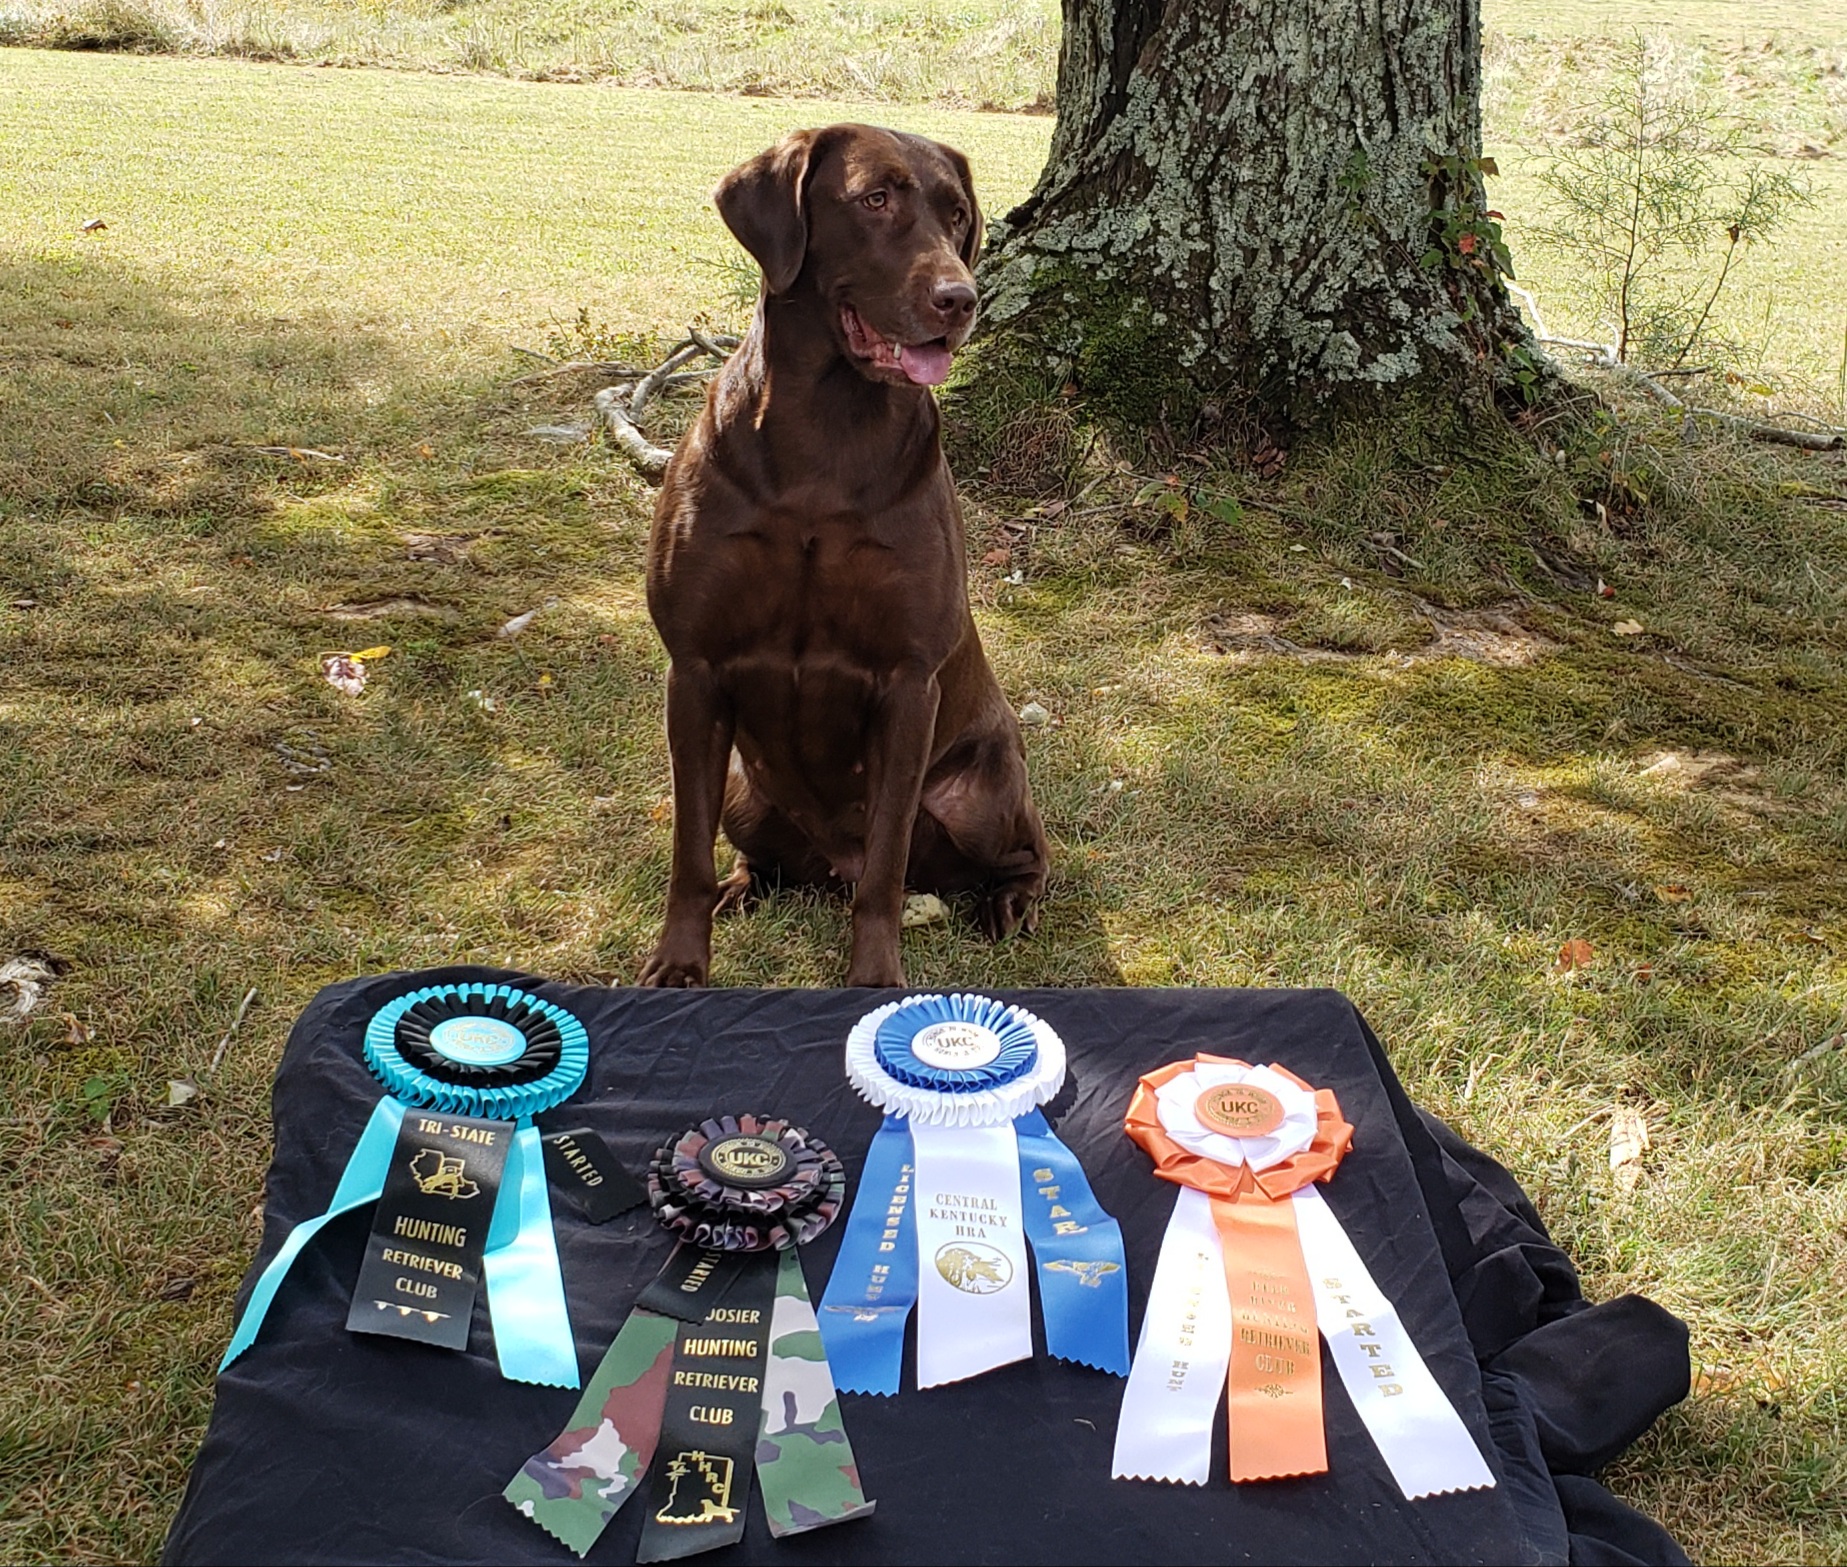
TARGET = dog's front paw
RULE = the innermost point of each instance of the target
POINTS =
(1007, 909)
(675, 966)
(876, 963)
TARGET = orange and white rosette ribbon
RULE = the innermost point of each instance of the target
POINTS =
(1254, 1272)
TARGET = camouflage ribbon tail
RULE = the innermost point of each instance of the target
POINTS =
(805, 1463)
(573, 1488)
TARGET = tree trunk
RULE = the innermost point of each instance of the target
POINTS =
(1275, 198)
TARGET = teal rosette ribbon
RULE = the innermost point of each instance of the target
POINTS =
(964, 1177)
(489, 1052)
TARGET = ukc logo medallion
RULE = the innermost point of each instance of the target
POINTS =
(746, 1161)
(1239, 1110)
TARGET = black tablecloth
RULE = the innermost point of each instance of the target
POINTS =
(328, 1446)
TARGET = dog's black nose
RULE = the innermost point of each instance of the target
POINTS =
(955, 299)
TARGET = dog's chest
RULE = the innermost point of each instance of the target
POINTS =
(836, 593)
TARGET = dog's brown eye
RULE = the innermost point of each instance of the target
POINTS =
(876, 200)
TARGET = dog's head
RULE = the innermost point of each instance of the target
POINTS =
(883, 228)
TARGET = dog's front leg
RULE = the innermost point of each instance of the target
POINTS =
(903, 729)
(699, 731)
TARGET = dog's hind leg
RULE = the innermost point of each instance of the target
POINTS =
(771, 850)
(978, 831)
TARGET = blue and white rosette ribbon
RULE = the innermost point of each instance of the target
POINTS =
(493, 1052)
(965, 1177)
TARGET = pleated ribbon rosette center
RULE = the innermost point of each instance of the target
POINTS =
(718, 1375)
(1254, 1272)
(963, 1180)
(453, 1162)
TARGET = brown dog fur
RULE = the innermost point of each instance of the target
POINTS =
(828, 698)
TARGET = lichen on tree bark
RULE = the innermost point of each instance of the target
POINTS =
(1279, 197)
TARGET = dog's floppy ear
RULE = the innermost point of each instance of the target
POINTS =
(971, 241)
(762, 203)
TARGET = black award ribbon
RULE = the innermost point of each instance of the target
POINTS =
(422, 1266)
(580, 1162)
(703, 1466)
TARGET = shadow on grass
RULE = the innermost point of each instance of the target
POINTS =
(192, 811)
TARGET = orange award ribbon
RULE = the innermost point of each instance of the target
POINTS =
(1254, 1271)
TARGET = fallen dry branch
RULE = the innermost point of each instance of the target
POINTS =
(1602, 356)
(609, 368)
(650, 460)
(1780, 435)
(224, 1044)
(299, 453)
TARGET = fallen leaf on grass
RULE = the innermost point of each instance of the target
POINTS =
(1709, 1380)
(1604, 590)
(1627, 628)
(181, 1091)
(923, 908)
(520, 622)
(91, 226)
(997, 558)
(1628, 1142)
(1643, 973)
(76, 1032)
(28, 976)
(1575, 954)
(176, 1289)
(1674, 894)
(306, 760)
(560, 434)
(1033, 715)
(663, 809)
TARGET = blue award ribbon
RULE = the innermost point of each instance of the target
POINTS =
(1083, 1275)
(525, 1290)
(493, 1052)
(873, 1287)
(895, 1044)
(361, 1182)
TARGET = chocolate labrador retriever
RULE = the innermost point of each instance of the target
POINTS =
(828, 700)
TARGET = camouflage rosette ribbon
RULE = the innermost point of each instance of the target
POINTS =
(719, 1370)
(1255, 1271)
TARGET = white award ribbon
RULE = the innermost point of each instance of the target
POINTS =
(974, 1302)
(1410, 1418)
(1178, 1376)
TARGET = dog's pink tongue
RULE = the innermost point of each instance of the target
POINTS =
(925, 363)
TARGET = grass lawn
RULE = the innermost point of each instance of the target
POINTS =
(1280, 755)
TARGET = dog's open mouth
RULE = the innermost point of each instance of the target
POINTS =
(926, 364)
